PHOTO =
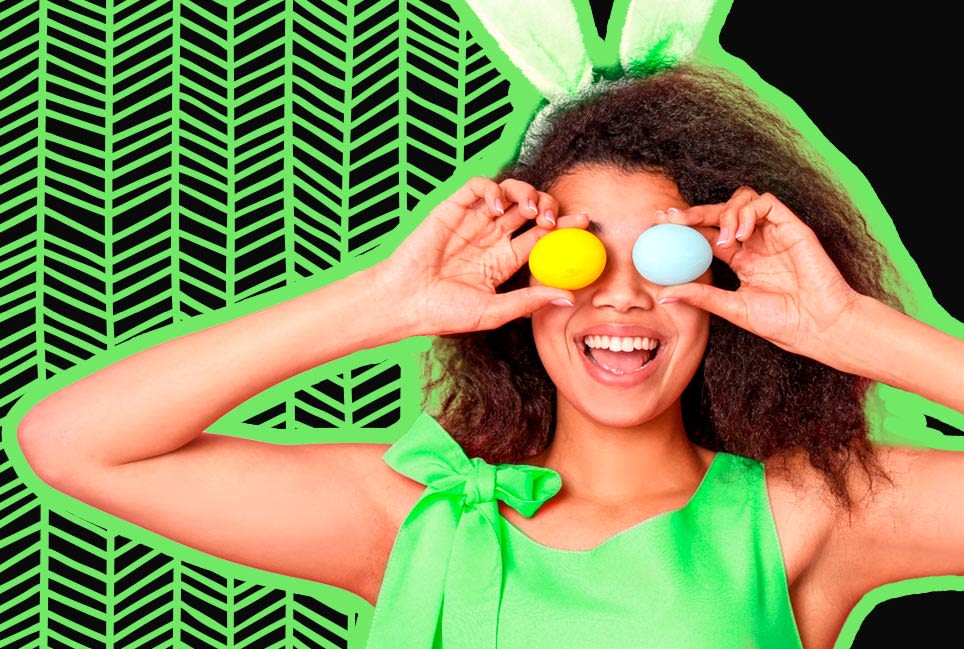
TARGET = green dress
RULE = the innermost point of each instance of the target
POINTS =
(460, 576)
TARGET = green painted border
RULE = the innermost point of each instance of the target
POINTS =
(897, 415)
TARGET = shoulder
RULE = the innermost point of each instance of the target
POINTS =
(910, 525)
(906, 523)
(384, 497)
(809, 517)
(392, 494)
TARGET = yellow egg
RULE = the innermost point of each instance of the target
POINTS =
(568, 258)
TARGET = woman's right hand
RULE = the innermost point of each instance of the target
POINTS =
(447, 270)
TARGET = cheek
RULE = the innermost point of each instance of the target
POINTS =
(546, 325)
(693, 325)
(549, 334)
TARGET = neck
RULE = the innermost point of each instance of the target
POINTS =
(608, 465)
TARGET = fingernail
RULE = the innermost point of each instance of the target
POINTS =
(668, 300)
(532, 207)
(673, 210)
(549, 217)
(499, 207)
(740, 231)
(562, 302)
(660, 215)
(724, 236)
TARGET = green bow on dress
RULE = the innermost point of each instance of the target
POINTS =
(452, 539)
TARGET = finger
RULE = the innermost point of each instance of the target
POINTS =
(769, 207)
(515, 217)
(703, 218)
(548, 210)
(763, 207)
(526, 199)
(746, 221)
(522, 302)
(713, 214)
(577, 220)
(723, 253)
(725, 304)
(476, 192)
(751, 214)
(518, 191)
(707, 214)
(522, 244)
(729, 218)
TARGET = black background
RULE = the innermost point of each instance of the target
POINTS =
(877, 83)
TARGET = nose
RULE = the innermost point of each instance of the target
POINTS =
(622, 288)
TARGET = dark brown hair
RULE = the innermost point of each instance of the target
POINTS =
(707, 132)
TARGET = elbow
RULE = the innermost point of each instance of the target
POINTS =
(44, 451)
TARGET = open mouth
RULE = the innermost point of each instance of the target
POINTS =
(620, 355)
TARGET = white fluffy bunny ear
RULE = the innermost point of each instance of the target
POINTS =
(658, 33)
(542, 38)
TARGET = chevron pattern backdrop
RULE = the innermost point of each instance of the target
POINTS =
(163, 160)
(166, 159)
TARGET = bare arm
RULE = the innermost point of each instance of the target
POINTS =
(129, 438)
(160, 399)
(914, 526)
(887, 346)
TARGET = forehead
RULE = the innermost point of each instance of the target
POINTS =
(615, 199)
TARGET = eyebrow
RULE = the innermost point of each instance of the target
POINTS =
(595, 227)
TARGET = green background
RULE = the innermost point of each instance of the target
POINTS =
(171, 165)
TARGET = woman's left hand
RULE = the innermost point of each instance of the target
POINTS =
(790, 291)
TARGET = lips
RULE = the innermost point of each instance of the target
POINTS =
(619, 355)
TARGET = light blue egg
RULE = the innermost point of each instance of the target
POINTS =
(669, 253)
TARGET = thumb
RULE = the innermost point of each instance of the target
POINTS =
(524, 301)
(709, 298)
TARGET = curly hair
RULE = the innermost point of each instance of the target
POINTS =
(707, 132)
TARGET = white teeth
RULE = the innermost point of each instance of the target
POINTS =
(624, 344)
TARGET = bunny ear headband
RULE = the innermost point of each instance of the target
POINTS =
(544, 40)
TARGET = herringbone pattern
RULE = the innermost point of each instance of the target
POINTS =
(160, 161)
(163, 160)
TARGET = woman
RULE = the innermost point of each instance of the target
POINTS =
(768, 355)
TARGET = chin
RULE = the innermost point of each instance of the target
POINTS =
(622, 414)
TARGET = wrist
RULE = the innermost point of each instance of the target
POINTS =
(848, 345)
(888, 346)
(392, 300)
